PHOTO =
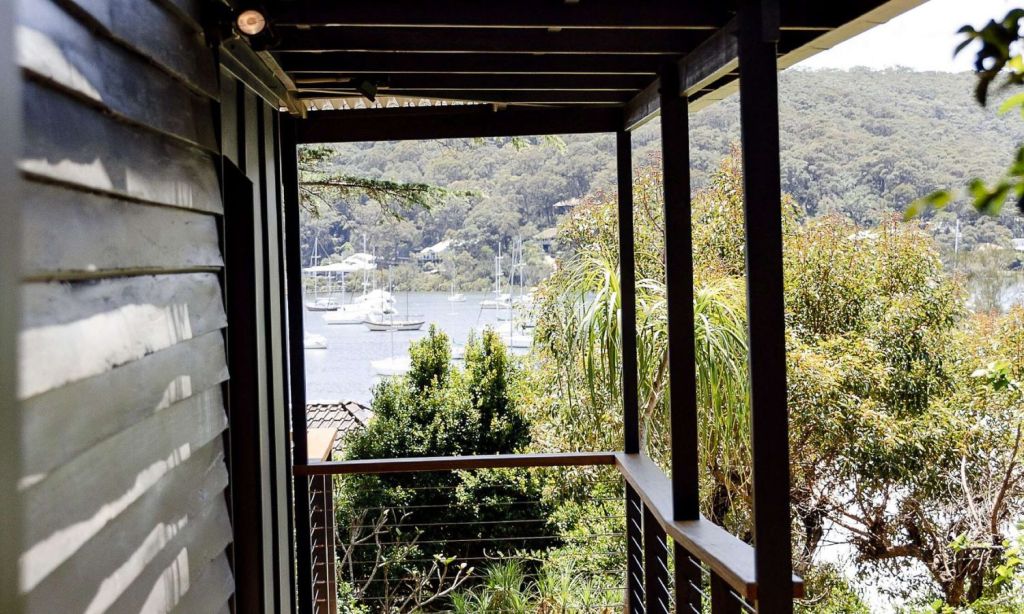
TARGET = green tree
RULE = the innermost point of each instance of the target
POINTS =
(887, 450)
(439, 410)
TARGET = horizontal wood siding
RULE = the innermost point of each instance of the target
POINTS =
(68, 142)
(64, 224)
(54, 46)
(121, 345)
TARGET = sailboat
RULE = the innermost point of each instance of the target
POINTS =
(390, 322)
(319, 303)
(501, 300)
(516, 337)
(456, 297)
(394, 364)
(383, 322)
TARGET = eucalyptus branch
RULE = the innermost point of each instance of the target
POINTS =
(1006, 484)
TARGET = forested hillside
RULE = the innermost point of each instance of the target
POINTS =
(860, 143)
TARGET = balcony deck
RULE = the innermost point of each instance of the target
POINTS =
(685, 562)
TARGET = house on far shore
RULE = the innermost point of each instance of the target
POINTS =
(546, 239)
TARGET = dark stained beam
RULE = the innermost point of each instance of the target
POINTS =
(514, 96)
(655, 14)
(482, 40)
(493, 63)
(713, 59)
(643, 107)
(475, 121)
(443, 81)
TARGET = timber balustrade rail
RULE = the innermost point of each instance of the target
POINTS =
(685, 563)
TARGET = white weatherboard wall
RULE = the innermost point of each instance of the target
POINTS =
(120, 350)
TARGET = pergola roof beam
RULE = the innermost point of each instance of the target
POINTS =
(471, 121)
(712, 61)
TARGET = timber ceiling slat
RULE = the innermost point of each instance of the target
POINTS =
(464, 63)
(655, 14)
(444, 81)
(516, 96)
(483, 40)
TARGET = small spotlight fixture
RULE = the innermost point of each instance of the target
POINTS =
(251, 22)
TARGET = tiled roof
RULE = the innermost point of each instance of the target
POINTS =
(346, 416)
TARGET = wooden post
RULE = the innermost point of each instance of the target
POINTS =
(688, 580)
(657, 597)
(630, 402)
(634, 552)
(679, 290)
(758, 33)
(296, 364)
(627, 292)
(722, 599)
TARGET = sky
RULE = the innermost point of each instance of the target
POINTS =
(922, 38)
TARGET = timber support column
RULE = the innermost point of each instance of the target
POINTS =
(296, 364)
(682, 369)
(759, 115)
(630, 401)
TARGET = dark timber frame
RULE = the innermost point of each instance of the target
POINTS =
(11, 445)
(297, 367)
(554, 68)
(241, 296)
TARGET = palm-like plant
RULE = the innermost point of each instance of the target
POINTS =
(580, 339)
(588, 322)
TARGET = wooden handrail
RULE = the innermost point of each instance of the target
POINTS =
(729, 557)
(453, 463)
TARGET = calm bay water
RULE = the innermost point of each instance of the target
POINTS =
(342, 372)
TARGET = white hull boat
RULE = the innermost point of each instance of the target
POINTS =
(457, 298)
(384, 324)
(323, 304)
